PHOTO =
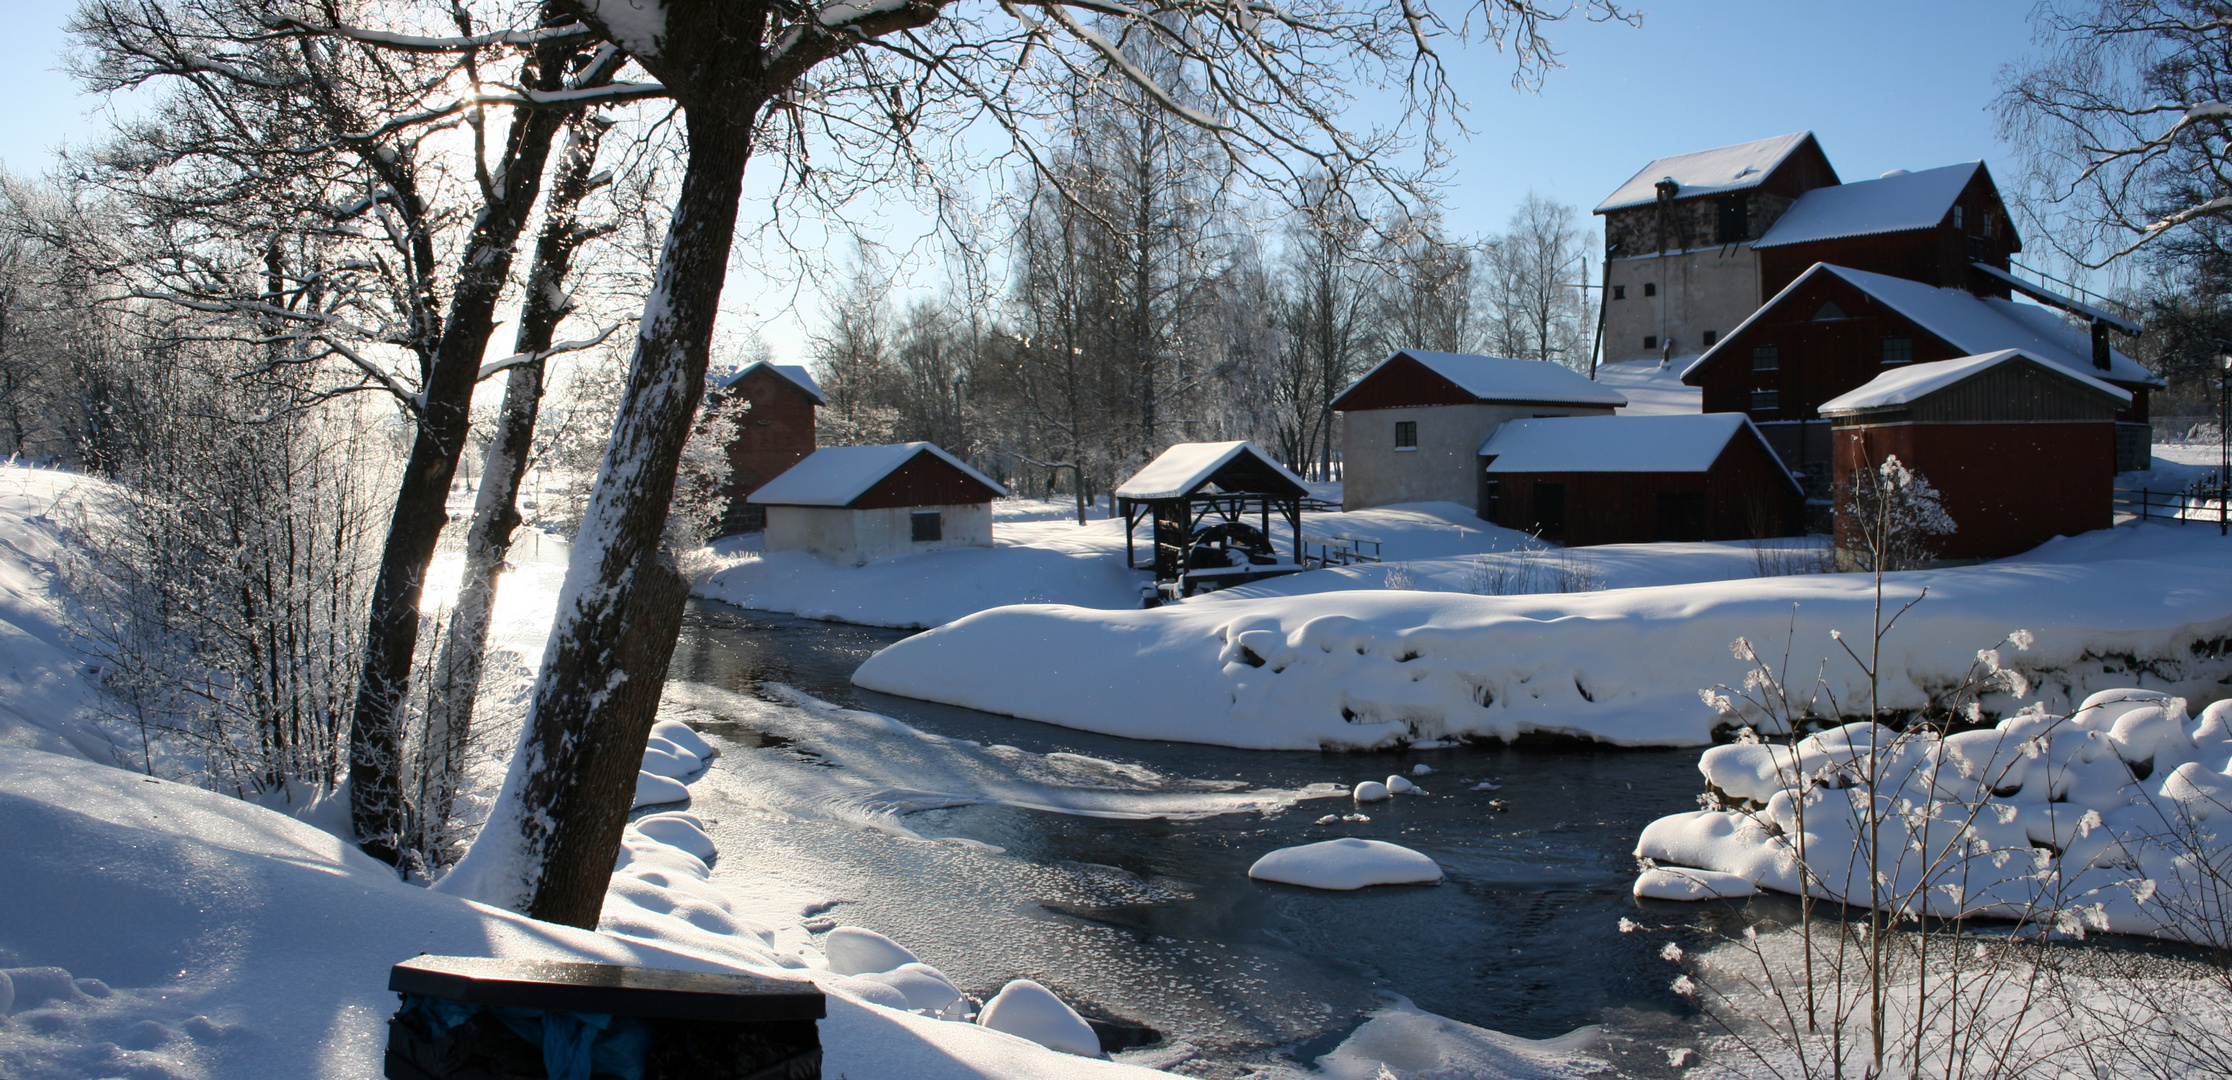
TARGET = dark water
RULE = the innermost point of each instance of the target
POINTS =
(1157, 923)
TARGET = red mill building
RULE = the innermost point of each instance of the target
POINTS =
(775, 433)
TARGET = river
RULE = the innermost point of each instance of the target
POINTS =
(1153, 925)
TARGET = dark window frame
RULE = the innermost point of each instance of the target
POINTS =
(935, 519)
(1711, 336)
(1898, 349)
(1619, 292)
(1766, 401)
(1650, 341)
(1767, 358)
(1650, 288)
(1406, 434)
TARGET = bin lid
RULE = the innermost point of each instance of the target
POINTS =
(617, 989)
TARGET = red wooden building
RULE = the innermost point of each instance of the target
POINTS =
(1834, 329)
(856, 504)
(1931, 226)
(773, 434)
(1637, 479)
(2018, 448)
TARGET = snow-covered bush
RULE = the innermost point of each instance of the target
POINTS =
(1889, 518)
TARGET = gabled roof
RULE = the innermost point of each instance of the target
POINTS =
(1964, 320)
(796, 375)
(1624, 444)
(1707, 172)
(1179, 470)
(836, 475)
(1496, 378)
(1901, 203)
(1906, 385)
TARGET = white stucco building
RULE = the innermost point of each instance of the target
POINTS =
(856, 504)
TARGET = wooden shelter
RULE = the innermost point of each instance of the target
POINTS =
(2017, 448)
(1211, 508)
(1579, 481)
(856, 504)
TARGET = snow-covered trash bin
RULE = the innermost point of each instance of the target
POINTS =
(473, 1018)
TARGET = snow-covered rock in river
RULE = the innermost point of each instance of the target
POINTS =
(1347, 863)
(1678, 883)
(1026, 1009)
(854, 951)
(655, 790)
(1397, 785)
(1404, 1042)
(2092, 819)
(1371, 791)
(683, 738)
(926, 988)
(679, 830)
(1387, 667)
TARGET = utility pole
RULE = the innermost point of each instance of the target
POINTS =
(2224, 446)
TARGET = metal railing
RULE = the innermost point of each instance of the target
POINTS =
(2203, 502)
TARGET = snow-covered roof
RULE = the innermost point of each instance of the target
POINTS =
(1652, 389)
(1186, 466)
(836, 475)
(1669, 443)
(1914, 382)
(1497, 378)
(799, 376)
(1707, 172)
(1968, 322)
(1915, 200)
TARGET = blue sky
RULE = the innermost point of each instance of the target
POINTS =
(1884, 84)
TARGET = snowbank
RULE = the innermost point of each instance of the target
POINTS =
(1403, 1042)
(1345, 864)
(1380, 668)
(46, 696)
(207, 937)
(2111, 817)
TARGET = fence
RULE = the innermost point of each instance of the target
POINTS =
(1338, 550)
(2203, 503)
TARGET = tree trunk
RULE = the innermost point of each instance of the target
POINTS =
(378, 812)
(548, 848)
(457, 674)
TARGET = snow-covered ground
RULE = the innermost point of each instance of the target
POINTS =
(1380, 667)
(156, 930)
(1042, 556)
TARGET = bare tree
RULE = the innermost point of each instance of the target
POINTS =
(2123, 121)
(1326, 313)
(1537, 312)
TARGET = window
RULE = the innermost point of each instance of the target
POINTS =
(1406, 434)
(1898, 350)
(929, 526)
(1650, 288)
(1830, 311)
(1734, 218)
(1767, 358)
(1711, 336)
(1619, 292)
(1956, 216)
(1766, 400)
(1650, 341)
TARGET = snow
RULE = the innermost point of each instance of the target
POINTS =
(2051, 298)
(1674, 444)
(796, 375)
(1707, 172)
(1029, 1010)
(1346, 864)
(1403, 1042)
(1388, 667)
(836, 475)
(637, 26)
(1973, 324)
(2095, 819)
(1652, 388)
(854, 951)
(1682, 883)
(1914, 382)
(1896, 203)
(1184, 467)
(46, 697)
(1496, 378)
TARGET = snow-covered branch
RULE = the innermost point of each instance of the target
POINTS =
(416, 43)
(560, 348)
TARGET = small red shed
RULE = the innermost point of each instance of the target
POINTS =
(775, 433)
(2018, 449)
(1588, 480)
(857, 504)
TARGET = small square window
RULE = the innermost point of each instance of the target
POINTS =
(1957, 216)
(1711, 336)
(1650, 288)
(1650, 341)
(1767, 358)
(1406, 434)
(929, 526)
(1619, 292)
(1898, 350)
(1766, 400)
